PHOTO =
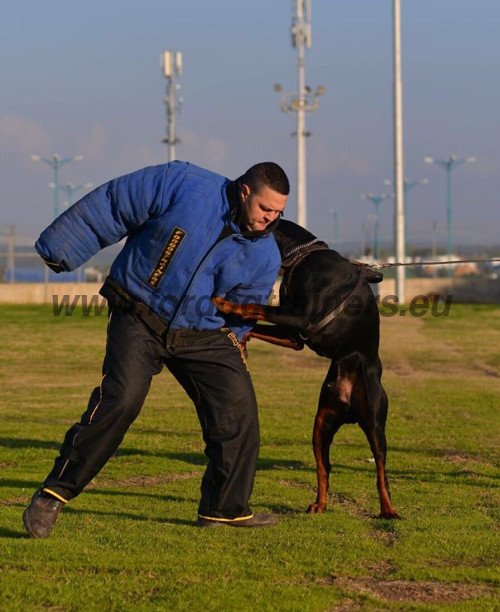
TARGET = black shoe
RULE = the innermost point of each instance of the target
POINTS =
(41, 514)
(255, 520)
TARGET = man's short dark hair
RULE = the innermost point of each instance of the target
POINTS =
(266, 174)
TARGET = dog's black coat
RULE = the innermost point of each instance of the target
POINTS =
(312, 287)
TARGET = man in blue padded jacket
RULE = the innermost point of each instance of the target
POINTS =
(191, 235)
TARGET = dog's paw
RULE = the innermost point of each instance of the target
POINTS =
(392, 514)
(221, 304)
(316, 509)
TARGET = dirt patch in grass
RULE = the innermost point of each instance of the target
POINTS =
(349, 504)
(412, 591)
(143, 481)
(13, 501)
(382, 569)
(294, 484)
(460, 458)
(387, 537)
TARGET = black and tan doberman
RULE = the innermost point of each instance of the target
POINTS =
(327, 304)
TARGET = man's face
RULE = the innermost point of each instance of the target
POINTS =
(261, 207)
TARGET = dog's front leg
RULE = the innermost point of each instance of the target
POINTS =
(255, 312)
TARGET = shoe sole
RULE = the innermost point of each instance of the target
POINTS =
(27, 525)
(238, 525)
(209, 524)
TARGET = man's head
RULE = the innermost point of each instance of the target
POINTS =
(263, 191)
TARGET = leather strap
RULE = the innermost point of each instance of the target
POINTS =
(311, 330)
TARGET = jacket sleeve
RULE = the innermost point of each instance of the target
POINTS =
(107, 214)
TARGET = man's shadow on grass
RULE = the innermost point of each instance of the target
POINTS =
(29, 443)
(454, 477)
(201, 459)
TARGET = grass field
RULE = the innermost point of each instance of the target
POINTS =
(128, 542)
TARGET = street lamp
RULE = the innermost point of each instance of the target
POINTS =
(449, 165)
(305, 100)
(55, 162)
(376, 200)
(172, 68)
(407, 186)
(69, 189)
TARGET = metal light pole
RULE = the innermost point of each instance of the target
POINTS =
(55, 162)
(376, 200)
(305, 100)
(362, 244)
(69, 189)
(449, 165)
(407, 186)
(172, 68)
(399, 209)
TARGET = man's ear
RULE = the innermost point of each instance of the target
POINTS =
(245, 192)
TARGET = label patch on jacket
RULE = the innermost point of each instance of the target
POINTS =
(166, 256)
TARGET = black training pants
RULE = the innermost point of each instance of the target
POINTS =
(212, 370)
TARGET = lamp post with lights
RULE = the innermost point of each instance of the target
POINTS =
(449, 164)
(376, 200)
(56, 162)
(69, 189)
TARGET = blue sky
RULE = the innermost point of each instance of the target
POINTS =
(85, 78)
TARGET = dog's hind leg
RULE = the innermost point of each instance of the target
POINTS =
(329, 418)
(372, 415)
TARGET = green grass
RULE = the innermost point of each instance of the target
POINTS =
(128, 542)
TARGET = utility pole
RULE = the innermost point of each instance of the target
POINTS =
(449, 164)
(305, 100)
(399, 210)
(55, 162)
(407, 186)
(172, 68)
